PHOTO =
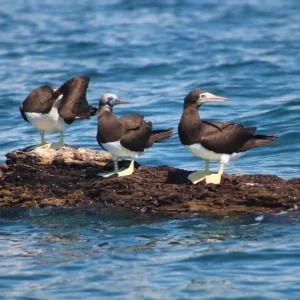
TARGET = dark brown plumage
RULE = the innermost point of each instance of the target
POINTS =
(73, 104)
(52, 110)
(127, 136)
(223, 141)
(133, 132)
(39, 100)
(219, 137)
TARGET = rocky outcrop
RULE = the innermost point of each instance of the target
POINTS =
(68, 177)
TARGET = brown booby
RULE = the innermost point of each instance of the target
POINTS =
(221, 141)
(53, 110)
(127, 136)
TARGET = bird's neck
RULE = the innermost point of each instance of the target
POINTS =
(105, 110)
(190, 126)
(109, 127)
(192, 113)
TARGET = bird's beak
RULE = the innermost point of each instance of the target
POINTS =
(210, 98)
(116, 102)
(213, 98)
(111, 104)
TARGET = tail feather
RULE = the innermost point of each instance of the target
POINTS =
(257, 141)
(93, 110)
(263, 140)
(159, 136)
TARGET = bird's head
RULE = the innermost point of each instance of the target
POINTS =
(199, 97)
(108, 100)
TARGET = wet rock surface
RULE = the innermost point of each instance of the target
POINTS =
(40, 178)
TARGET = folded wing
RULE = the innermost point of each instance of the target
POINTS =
(137, 132)
(40, 100)
(223, 137)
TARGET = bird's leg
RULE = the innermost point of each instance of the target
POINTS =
(200, 175)
(43, 144)
(42, 133)
(207, 167)
(116, 168)
(127, 171)
(216, 178)
(60, 143)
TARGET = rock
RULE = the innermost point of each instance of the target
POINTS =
(47, 177)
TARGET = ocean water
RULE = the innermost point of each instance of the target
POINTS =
(152, 53)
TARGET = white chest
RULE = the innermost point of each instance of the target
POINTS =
(116, 149)
(199, 151)
(51, 122)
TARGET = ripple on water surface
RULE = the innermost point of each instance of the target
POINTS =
(153, 53)
(90, 252)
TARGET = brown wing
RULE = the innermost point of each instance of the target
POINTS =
(39, 100)
(73, 104)
(23, 112)
(133, 121)
(224, 137)
(137, 132)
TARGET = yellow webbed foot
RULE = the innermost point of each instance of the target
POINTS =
(115, 171)
(216, 178)
(213, 178)
(127, 171)
(57, 145)
(106, 174)
(40, 146)
(198, 176)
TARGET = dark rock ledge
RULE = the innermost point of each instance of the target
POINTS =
(67, 177)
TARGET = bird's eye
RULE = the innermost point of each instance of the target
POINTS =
(202, 96)
(109, 100)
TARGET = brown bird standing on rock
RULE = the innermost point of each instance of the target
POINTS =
(214, 140)
(53, 110)
(128, 136)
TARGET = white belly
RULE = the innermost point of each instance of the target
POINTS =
(116, 149)
(51, 122)
(200, 151)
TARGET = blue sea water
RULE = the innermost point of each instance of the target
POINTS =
(152, 53)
